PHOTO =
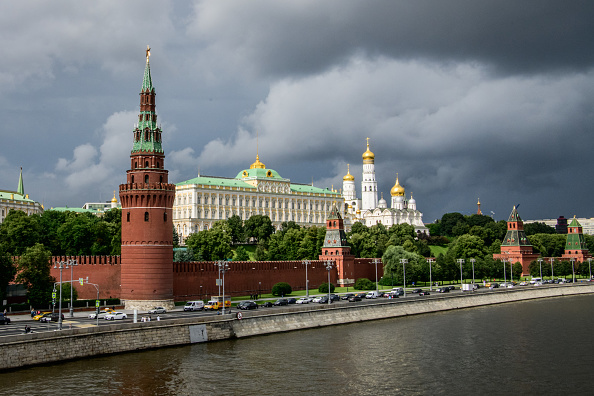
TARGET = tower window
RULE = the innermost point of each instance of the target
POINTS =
(146, 216)
(128, 217)
(135, 164)
(158, 164)
(132, 179)
(161, 179)
(165, 216)
(146, 165)
(146, 179)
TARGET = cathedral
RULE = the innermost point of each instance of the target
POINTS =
(369, 210)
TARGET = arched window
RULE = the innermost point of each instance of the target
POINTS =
(132, 179)
(161, 179)
(146, 216)
(158, 165)
(146, 179)
(128, 217)
(135, 164)
(146, 164)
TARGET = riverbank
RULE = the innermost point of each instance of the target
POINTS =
(42, 348)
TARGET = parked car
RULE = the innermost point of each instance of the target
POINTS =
(267, 304)
(281, 301)
(416, 291)
(51, 317)
(452, 287)
(372, 294)
(334, 297)
(157, 310)
(424, 293)
(324, 300)
(347, 296)
(444, 289)
(361, 295)
(116, 316)
(303, 300)
(291, 300)
(4, 319)
(317, 299)
(247, 305)
(354, 298)
(101, 314)
(40, 315)
(194, 306)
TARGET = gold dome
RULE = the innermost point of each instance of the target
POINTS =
(397, 190)
(257, 164)
(348, 176)
(114, 199)
(368, 156)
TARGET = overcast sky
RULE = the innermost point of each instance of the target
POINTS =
(464, 99)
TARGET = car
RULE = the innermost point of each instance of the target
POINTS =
(424, 293)
(334, 297)
(354, 298)
(40, 315)
(523, 283)
(4, 319)
(347, 296)
(317, 299)
(444, 289)
(51, 317)
(416, 291)
(292, 300)
(101, 314)
(116, 316)
(452, 287)
(157, 310)
(247, 305)
(303, 300)
(194, 306)
(324, 300)
(267, 304)
(281, 301)
(361, 295)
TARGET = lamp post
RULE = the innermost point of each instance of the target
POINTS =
(72, 263)
(306, 263)
(404, 262)
(460, 261)
(540, 263)
(472, 261)
(223, 267)
(511, 271)
(572, 269)
(430, 261)
(329, 264)
(376, 261)
(504, 276)
(590, 264)
(552, 276)
(61, 266)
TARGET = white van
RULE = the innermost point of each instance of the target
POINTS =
(535, 280)
(194, 306)
(372, 294)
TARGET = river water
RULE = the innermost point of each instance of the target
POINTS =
(529, 348)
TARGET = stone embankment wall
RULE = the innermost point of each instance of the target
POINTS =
(24, 350)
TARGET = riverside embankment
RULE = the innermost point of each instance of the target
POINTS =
(41, 348)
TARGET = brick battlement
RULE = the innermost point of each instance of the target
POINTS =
(133, 187)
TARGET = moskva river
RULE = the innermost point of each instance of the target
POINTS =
(542, 347)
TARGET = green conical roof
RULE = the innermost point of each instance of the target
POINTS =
(147, 82)
(334, 213)
(21, 188)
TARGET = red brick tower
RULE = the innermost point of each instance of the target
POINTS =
(576, 247)
(147, 202)
(335, 248)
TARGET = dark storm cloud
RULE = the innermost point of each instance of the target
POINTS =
(302, 37)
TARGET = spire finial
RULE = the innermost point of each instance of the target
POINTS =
(367, 142)
(148, 53)
(21, 188)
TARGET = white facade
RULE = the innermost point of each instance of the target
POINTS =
(17, 200)
(369, 210)
(202, 201)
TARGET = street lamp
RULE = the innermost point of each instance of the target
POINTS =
(472, 261)
(572, 269)
(430, 261)
(590, 264)
(460, 261)
(376, 261)
(404, 262)
(61, 266)
(552, 259)
(223, 267)
(504, 275)
(72, 263)
(306, 263)
(540, 263)
(329, 264)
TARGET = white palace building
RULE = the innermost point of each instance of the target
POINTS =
(369, 210)
(203, 200)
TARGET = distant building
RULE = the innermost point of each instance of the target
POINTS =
(560, 224)
(17, 200)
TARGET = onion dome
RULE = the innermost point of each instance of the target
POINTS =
(114, 199)
(368, 156)
(397, 190)
(257, 164)
(348, 176)
(411, 200)
(382, 204)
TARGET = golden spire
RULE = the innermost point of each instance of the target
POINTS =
(478, 203)
(368, 156)
(148, 53)
(348, 176)
(114, 199)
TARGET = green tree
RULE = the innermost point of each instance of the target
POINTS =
(260, 254)
(212, 244)
(538, 228)
(18, 232)
(259, 228)
(241, 254)
(66, 292)
(50, 221)
(281, 289)
(78, 234)
(478, 220)
(33, 271)
(364, 284)
(324, 288)
(468, 246)
(236, 229)
(400, 233)
(517, 270)
(449, 221)
(183, 255)
(393, 267)
(7, 272)
(175, 238)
